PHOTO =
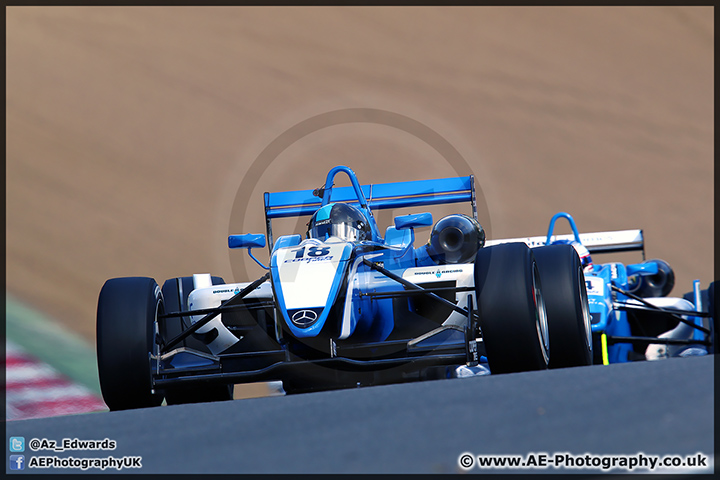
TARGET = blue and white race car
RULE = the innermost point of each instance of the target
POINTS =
(345, 306)
(632, 316)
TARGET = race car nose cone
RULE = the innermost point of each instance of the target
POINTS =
(304, 318)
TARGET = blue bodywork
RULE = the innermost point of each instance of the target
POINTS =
(606, 283)
(366, 319)
(334, 313)
(352, 301)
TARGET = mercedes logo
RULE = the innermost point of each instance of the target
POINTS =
(304, 318)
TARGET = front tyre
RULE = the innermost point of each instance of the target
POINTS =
(567, 307)
(512, 312)
(126, 318)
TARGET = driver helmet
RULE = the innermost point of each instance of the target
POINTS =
(339, 220)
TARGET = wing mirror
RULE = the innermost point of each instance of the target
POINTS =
(413, 220)
(249, 241)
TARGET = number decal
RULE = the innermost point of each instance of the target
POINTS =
(312, 252)
(595, 286)
(318, 251)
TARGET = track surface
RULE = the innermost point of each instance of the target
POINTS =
(656, 408)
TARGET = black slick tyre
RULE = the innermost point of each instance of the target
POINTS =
(566, 301)
(511, 308)
(714, 309)
(126, 318)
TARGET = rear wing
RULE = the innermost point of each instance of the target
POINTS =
(379, 196)
(599, 242)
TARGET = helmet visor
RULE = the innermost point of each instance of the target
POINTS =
(325, 229)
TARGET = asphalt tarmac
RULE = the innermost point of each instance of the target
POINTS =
(649, 408)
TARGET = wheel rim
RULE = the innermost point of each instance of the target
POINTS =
(585, 311)
(541, 323)
(154, 354)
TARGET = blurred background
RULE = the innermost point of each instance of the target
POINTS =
(130, 129)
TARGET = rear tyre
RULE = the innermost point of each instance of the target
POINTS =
(714, 309)
(175, 292)
(512, 312)
(126, 318)
(566, 301)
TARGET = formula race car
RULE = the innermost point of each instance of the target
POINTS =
(345, 306)
(632, 316)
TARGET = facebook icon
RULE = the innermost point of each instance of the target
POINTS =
(17, 462)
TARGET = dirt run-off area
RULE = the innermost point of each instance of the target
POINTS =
(130, 129)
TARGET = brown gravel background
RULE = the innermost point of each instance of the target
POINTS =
(130, 129)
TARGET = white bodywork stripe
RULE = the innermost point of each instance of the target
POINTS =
(620, 238)
(225, 338)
